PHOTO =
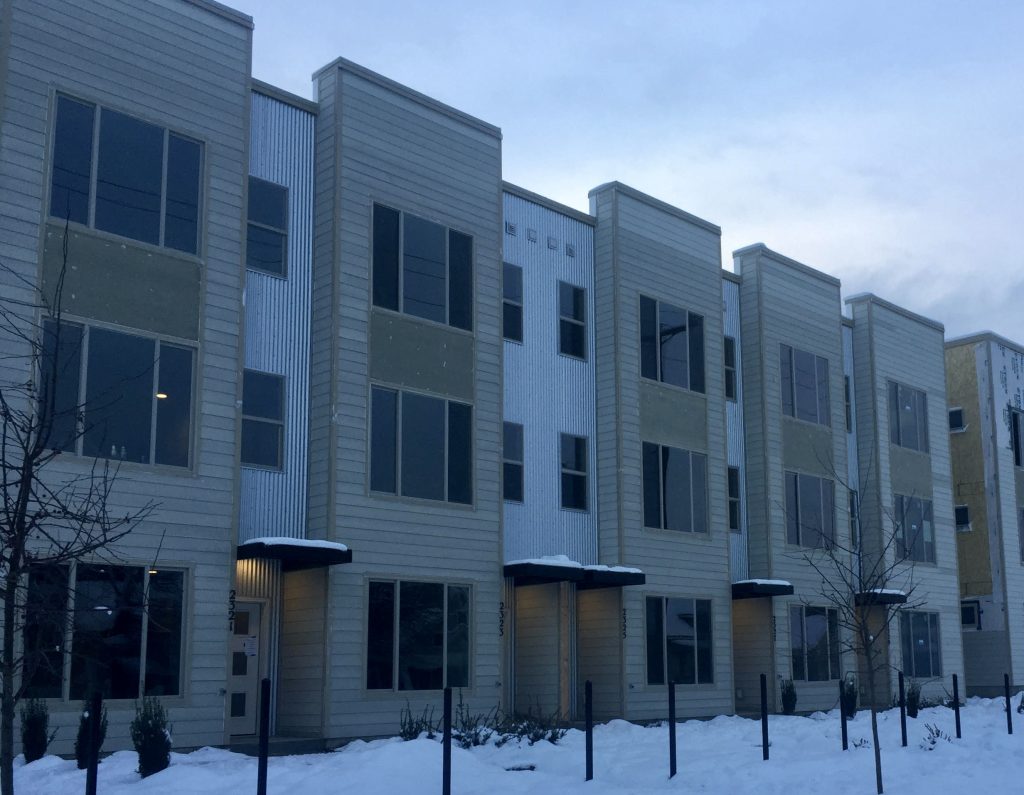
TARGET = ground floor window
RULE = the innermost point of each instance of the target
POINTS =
(679, 641)
(919, 631)
(814, 641)
(417, 636)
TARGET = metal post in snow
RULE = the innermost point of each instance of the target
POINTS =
(956, 703)
(446, 763)
(842, 717)
(903, 711)
(1009, 712)
(95, 717)
(764, 717)
(261, 770)
(588, 710)
(671, 729)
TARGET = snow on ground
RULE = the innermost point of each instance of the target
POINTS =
(722, 755)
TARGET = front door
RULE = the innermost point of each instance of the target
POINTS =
(244, 669)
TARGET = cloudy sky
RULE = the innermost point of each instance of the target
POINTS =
(882, 142)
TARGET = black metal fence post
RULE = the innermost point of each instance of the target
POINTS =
(446, 764)
(842, 717)
(903, 711)
(1009, 712)
(588, 710)
(671, 729)
(956, 703)
(764, 717)
(261, 770)
(95, 716)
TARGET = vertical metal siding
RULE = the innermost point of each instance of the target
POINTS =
(549, 394)
(736, 455)
(277, 319)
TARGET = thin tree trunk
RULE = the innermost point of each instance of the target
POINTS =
(7, 697)
(878, 751)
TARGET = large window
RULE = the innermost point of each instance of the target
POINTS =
(127, 629)
(671, 345)
(417, 636)
(574, 472)
(125, 176)
(675, 489)
(262, 419)
(422, 268)
(512, 462)
(679, 641)
(420, 446)
(922, 655)
(804, 382)
(512, 303)
(266, 246)
(1017, 436)
(810, 510)
(572, 320)
(915, 530)
(908, 417)
(729, 355)
(135, 399)
(814, 643)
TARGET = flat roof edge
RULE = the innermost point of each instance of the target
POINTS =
(983, 336)
(762, 249)
(550, 204)
(861, 298)
(287, 97)
(221, 10)
(646, 198)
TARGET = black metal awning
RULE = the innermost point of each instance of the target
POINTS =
(879, 597)
(295, 556)
(753, 589)
(585, 577)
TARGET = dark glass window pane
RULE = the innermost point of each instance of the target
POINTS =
(907, 643)
(421, 636)
(572, 339)
(129, 177)
(805, 382)
(239, 663)
(571, 302)
(460, 453)
(849, 405)
(72, 161)
(512, 441)
(181, 215)
(730, 367)
(922, 420)
(385, 257)
(672, 339)
(574, 491)
(261, 443)
(786, 379)
(163, 639)
(45, 624)
(810, 511)
(268, 204)
(816, 627)
(107, 640)
(1015, 437)
(796, 641)
(824, 407)
(792, 509)
(265, 250)
(675, 466)
(894, 413)
(119, 396)
(237, 705)
(383, 440)
(174, 406)
(380, 636)
(922, 648)
(734, 483)
(512, 469)
(908, 419)
(833, 643)
(458, 637)
(460, 280)
(423, 269)
(512, 322)
(696, 339)
(828, 511)
(423, 438)
(681, 640)
(648, 338)
(512, 283)
(574, 452)
(699, 494)
(652, 485)
(935, 647)
(512, 482)
(59, 384)
(705, 656)
(263, 395)
(655, 642)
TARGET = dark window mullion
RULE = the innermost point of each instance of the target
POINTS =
(94, 175)
(447, 439)
(153, 404)
(163, 190)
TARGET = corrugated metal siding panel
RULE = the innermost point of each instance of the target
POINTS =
(736, 453)
(277, 319)
(546, 392)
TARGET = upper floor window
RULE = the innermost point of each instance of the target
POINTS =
(810, 510)
(422, 268)
(512, 302)
(922, 653)
(956, 420)
(814, 642)
(512, 462)
(574, 472)
(262, 419)
(679, 641)
(804, 378)
(848, 395)
(908, 417)
(915, 530)
(1017, 436)
(572, 320)
(675, 489)
(420, 446)
(266, 245)
(729, 353)
(145, 184)
(962, 517)
(135, 399)
(734, 499)
(671, 345)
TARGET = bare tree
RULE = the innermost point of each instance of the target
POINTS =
(50, 516)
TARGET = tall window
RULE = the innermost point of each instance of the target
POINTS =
(417, 636)
(420, 446)
(574, 472)
(922, 655)
(848, 395)
(908, 417)
(804, 381)
(136, 397)
(679, 641)
(675, 489)
(671, 345)
(572, 320)
(729, 349)
(422, 268)
(145, 183)
(1016, 436)
(512, 302)
(262, 419)
(814, 642)
(915, 530)
(810, 510)
(512, 462)
(734, 499)
(46, 620)
(266, 247)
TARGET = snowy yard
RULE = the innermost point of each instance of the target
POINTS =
(718, 756)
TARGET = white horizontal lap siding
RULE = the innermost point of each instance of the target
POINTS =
(546, 392)
(277, 319)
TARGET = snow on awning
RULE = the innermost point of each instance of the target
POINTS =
(880, 596)
(295, 554)
(561, 568)
(752, 589)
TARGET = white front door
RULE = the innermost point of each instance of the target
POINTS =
(244, 669)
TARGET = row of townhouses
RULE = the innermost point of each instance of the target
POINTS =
(409, 426)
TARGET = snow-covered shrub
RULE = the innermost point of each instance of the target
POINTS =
(151, 737)
(532, 728)
(848, 697)
(411, 727)
(935, 734)
(83, 746)
(470, 730)
(35, 729)
(788, 697)
(913, 699)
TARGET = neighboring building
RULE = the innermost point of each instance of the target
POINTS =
(985, 382)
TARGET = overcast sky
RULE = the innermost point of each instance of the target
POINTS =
(882, 142)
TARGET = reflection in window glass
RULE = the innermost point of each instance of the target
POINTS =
(423, 269)
(60, 383)
(675, 489)
(512, 303)
(45, 624)
(671, 345)
(421, 636)
(174, 405)
(181, 214)
(163, 633)
(512, 464)
(262, 419)
(380, 644)
(119, 396)
(574, 472)
(679, 641)
(458, 637)
(72, 161)
(423, 445)
(129, 177)
(267, 235)
(804, 385)
(460, 453)
(572, 314)
(460, 280)
(385, 257)
(383, 440)
(814, 642)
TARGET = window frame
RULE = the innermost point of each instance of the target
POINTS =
(903, 506)
(283, 232)
(828, 517)
(507, 462)
(572, 320)
(282, 382)
(908, 642)
(729, 368)
(974, 605)
(833, 645)
(962, 517)
(574, 473)
(959, 427)
(789, 386)
(691, 368)
(511, 303)
(664, 489)
(898, 434)
(709, 640)
(735, 498)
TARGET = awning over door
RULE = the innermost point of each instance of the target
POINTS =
(559, 568)
(752, 589)
(295, 553)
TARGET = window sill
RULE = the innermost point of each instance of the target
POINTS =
(663, 532)
(281, 277)
(676, 388)
(809, 423)
(117, 467)
(56, 225)
(573, 510)
(402, 498)
(261, 468)
(572, 356)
